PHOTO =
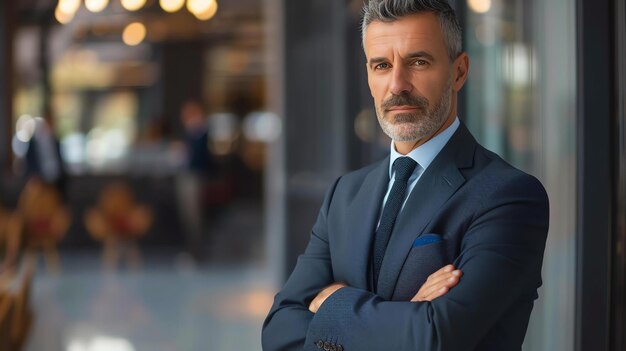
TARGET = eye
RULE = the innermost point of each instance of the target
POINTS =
(420, 63)
(382, 66)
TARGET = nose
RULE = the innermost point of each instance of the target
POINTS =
(400, 83)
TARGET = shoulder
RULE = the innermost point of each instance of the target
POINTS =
(348, 185)
(359, 175)
(353, 180)
(500, 179)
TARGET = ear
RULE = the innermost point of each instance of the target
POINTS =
(460, 71)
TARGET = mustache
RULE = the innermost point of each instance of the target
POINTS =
(419, 102)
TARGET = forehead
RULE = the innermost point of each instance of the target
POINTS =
(416, 32)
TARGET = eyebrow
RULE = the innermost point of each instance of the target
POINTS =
(376, 60)
(421, 54)
(417, 54)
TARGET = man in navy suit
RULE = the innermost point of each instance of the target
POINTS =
(382, 270)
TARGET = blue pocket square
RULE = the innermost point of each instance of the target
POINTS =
(426, 239)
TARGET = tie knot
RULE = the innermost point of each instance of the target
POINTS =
(404, 166)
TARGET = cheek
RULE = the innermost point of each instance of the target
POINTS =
(431, 87)
(371, 84)
(377, 87)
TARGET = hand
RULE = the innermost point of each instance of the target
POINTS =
(323, 295)
(438, 284)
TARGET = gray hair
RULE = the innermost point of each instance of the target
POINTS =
(391, 10)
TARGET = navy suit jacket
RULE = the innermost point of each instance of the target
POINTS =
(474, 210)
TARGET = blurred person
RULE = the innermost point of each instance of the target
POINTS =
(437, 247)
(43, 158)
(196, 137)
(190, 182)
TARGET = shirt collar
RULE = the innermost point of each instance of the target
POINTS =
(426, 153)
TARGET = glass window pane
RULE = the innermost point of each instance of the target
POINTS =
(520, 103)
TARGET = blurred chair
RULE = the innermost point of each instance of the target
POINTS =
(16, 271)
(16, 315)
(44, 220)
(6, 309)
(10, 239)
(118, 222)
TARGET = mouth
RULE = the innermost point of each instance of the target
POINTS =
(401, 109)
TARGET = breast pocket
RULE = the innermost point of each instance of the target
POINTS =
(428, 254)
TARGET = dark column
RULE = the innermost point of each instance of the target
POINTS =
(6, 86)
(316, 112)
(182, 67)
(596, 116)
(44, 66)
(618, 297)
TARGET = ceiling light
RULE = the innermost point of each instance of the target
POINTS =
(96, 6)
(133, 5)
(208, 13)
(68, 7)
(171, 5)
(198, 6)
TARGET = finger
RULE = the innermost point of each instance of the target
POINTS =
(313, 306)
(437, 281)
(426, 291)
(437, 293)
(321, 297)
(442, 271)
(449, 280)
(429, 297)
(444, 286)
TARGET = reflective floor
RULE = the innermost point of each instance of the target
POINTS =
(170, 304)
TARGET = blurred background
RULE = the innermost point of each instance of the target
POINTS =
(162, 161)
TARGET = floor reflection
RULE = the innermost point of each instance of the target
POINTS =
(168, 305)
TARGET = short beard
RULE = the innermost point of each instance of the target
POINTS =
(415, 126)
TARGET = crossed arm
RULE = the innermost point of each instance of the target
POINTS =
(437, 284)
(501, 255)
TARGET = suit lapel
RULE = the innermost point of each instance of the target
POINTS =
(438, 183)
(363, 214)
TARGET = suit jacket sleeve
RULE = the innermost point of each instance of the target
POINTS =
(286, 326)
(500, 256)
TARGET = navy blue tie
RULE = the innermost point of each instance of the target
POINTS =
(403, 168)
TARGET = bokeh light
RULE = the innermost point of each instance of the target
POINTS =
(25, 128)
(208, 13)
(171, 5)
(133, 5)
(262, 127)
(198, 7)
(68, 7)
(101, 343)
(134, 34)
(479, 6)
(96, 6)
(62, 16)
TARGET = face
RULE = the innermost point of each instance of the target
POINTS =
(411, 78)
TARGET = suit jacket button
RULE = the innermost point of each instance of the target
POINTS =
(333, 347)
(326, 346)
(319, 344)
(339, 348)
